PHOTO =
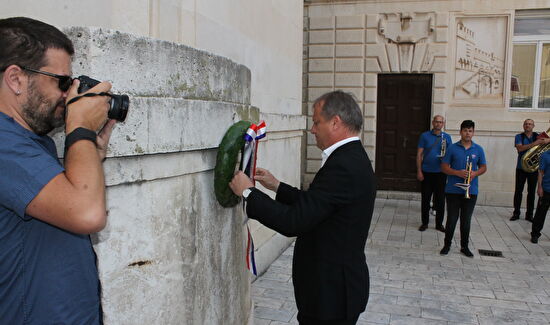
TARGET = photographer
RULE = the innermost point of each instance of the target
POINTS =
(48, 269)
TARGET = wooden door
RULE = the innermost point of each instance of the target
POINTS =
(403, 113)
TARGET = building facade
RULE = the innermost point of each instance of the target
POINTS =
(406, 61)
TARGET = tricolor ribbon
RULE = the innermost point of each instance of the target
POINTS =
(248, 166)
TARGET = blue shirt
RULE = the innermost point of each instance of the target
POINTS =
(456, 157)
(431, 143)
(521, 138)
(544, 165)
(47, 275)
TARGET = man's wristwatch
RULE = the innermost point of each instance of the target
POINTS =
(247, 192)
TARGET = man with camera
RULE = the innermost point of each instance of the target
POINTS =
(48, 269)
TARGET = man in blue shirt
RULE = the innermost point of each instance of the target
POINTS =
(461, 200)
(431, 149)
(543, 190)
(48, 270)
(523, 142)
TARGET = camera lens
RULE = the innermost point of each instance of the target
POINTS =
(119, 107)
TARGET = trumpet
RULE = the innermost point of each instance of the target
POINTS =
(443, 147)
(469, 178)
(466, 185)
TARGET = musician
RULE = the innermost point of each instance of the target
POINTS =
(431, 149)
(543, 190)
(523, 142)
(463, 163)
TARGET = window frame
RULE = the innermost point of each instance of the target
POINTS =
(539, 41)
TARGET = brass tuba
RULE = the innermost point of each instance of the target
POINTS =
(530, 161)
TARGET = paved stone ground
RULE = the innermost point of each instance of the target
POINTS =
(412, 284)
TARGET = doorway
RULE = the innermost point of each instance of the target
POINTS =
(403, 113)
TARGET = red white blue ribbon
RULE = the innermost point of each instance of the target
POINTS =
(248, 166)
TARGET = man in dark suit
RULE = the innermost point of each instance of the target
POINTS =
(331, 220)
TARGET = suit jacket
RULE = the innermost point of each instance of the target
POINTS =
(331, 221)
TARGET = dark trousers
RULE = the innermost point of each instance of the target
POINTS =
(433, 184)
(531, 178)
(540, 215)
(306, 320)
(459, 206)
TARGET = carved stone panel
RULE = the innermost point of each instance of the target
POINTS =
(479, 61)
(407, 37)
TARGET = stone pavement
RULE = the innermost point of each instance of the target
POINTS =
(412, 284)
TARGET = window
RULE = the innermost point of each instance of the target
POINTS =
(530, 82)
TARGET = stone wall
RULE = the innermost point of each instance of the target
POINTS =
(170, 254)
(265, 36)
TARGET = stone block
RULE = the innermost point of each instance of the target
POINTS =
(369, 138)
(370, 110)
(371, 36)
(440, 80)
(370, 124)
(442, 19)
(348, 80)
(438, 49)
(371, 65)
(349, 65)
(343, 51)
(393, 57)
(371, 80)
(171, 69)
(350, 36)
(378, 51)
(153, 125)
(350, 21)
(314, 93)
(321, 23)
(321, 37)
(441, 34)
(370, 94)
(356, 92)
(321, 65)
(439, 95)
(438, 65)
(321, 51)
(321, 80)
(372, 21)
(419, 56)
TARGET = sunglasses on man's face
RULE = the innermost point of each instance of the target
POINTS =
(64, 83)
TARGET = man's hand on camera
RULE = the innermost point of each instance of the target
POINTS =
(87, 112)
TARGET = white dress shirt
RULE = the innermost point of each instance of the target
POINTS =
(328, 151)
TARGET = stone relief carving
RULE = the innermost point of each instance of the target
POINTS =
(405, 30)
(480, 58)
(407, 36)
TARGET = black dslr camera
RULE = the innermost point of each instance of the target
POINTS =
(119, 103)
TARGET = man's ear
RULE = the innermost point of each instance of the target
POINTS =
(12, 78)
(336, 121)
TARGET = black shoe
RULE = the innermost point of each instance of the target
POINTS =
(440, 228)
(514, 218)
(423, 227)
(466, 252)
(445, 250)
(534, 239)
(530, 219)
